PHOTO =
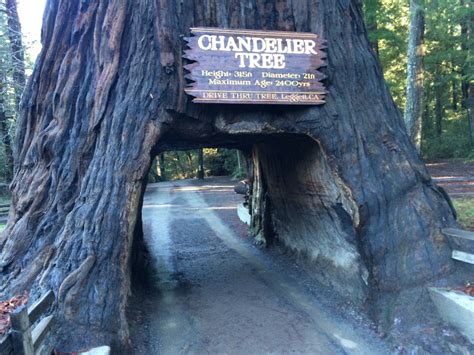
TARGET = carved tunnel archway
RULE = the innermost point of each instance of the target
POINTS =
(298, 202)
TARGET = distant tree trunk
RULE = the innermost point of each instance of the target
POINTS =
(470, 111)
(5, 132)
(162, 167)
(200, 174)
(414, 90)
(18, 69)
(371, 10)
(464, 47)
(439, 109)
(189, 158)
(179, 164)
(153, 173)
(107, 91)
(467, 45)
(427, 123)
(239, 161)
(454, 95)
(18, 54)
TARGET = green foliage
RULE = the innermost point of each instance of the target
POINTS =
(454, 141)
(12, 67)
(447, 60)
(392, 35)
(7, 93)
(220, 161)
(184, 164)
(465, 209)
(7, 85)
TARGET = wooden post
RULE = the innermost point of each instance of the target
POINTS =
(20, 332)
(201, 164)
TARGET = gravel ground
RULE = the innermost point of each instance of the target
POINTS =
(214, 291)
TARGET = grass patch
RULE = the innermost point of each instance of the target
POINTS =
(465, 209)
(2, 227)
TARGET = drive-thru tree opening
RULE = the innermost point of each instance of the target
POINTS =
(297, 201)
(107, 94)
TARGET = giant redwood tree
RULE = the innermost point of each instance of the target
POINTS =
(339, 184)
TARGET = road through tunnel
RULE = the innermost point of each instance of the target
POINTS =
(203, 277)
(299, 204)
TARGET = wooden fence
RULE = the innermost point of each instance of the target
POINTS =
(22, 339)
(4, 209)
(461, 255)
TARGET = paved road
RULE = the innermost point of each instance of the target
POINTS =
(214, 292)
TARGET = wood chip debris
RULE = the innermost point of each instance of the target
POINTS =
(7, 307)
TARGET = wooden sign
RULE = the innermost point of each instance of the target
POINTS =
(254, 67)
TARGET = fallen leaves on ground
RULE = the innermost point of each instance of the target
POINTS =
(468, 289)
(7, 307)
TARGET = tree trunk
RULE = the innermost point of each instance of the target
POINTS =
(467, 45)
(162, 167)
(153, 172)
(107, 91)
(179, 165)
(18, 69)
(239, 161)
(454, 95)
(414, 91)
(5, 132)
(470, 112)
(18, 54)
(465, 85)
(200, 173)
(439, 109)
(189, 158)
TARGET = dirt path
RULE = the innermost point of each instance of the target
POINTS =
(215, 292)
(456, 177)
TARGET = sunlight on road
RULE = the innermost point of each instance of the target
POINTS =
(215, 188)
(191, 208)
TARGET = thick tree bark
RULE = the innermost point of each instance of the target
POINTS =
(107, 93)
(414, 91)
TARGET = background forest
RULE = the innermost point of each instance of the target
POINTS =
(425, 48)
